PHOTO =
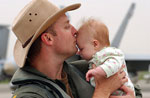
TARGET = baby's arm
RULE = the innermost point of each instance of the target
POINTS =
(111, 66)
(107, 69)
(109, 61)
(95, 71)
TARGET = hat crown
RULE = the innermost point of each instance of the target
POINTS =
(31, 18)
(34, 18)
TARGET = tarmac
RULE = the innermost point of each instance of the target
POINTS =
(5, 91)
(145, 87)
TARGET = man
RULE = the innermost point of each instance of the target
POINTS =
(45, 39)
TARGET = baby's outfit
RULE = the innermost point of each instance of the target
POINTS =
(110, 59)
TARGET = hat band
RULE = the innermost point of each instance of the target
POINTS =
(26, 43)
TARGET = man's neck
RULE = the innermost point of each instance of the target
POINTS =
(51, 67)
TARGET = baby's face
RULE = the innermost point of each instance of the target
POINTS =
(84, 42)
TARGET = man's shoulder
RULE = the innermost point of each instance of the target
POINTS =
(32, 91)
(81, 65)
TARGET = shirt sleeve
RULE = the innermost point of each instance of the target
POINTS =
(111, 66)
(32, 91)
(27, 95)
(110, 60)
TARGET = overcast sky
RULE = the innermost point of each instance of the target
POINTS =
(10, 8)
(111, 12)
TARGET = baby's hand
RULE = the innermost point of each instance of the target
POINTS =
(98, 71)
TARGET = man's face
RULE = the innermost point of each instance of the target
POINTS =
(65, 41)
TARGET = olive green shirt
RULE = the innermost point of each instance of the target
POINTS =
(30, 83)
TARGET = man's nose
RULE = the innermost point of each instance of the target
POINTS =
(74, 31)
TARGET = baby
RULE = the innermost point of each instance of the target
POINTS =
(94, 45)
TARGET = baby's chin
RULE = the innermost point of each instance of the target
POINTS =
(87, 59)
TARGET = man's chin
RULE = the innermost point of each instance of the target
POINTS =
(76, 50)
(73, 53)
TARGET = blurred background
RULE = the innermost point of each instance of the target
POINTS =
(129, 26)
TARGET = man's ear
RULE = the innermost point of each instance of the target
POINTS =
(47, 38)
(96, 44)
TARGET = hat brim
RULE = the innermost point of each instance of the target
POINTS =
(20, 53)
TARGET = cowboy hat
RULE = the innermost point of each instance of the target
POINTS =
(34, 19)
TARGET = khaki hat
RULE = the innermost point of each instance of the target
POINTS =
(34, 19)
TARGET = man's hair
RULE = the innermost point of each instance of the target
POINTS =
(36, 46)
(99, 30)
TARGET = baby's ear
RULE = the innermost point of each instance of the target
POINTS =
(96, 44)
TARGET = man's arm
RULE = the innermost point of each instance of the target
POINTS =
(27, 95)
(32, 91)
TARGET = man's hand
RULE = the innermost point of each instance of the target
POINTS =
(129, 93)
(106, 86)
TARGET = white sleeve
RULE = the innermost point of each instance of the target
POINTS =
(110, 59)
(111, 66)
